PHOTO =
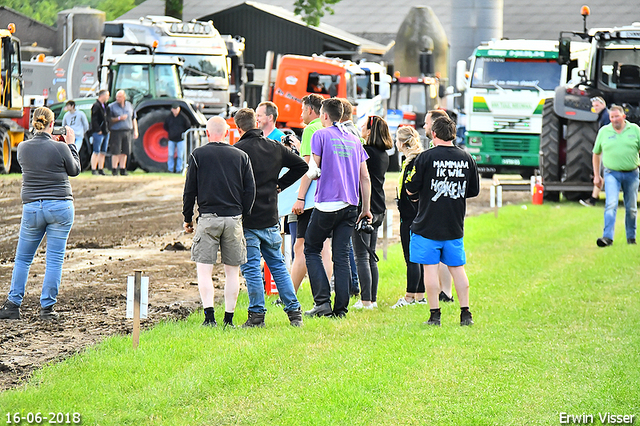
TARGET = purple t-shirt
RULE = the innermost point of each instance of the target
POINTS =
(341, 155)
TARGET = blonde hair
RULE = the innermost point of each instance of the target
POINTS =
(42, 118)
(409, 139)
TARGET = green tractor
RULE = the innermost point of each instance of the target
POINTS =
(152, 85)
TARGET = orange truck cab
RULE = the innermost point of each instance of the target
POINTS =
(299, 76)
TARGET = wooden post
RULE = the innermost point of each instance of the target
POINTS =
(136, 308)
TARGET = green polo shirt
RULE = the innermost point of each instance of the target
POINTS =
(305, 145)
(619, 150)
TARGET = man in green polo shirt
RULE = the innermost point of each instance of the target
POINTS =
(618, 145)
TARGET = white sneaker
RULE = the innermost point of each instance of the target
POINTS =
(402, 302)
(358, 305)
(422, 301)
(370, 307)
(374, 305)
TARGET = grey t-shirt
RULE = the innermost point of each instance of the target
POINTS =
(117, 110)
(46, 166)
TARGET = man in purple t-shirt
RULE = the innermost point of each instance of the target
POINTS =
(342, 161)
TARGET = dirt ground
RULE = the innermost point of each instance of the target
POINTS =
(122, 224)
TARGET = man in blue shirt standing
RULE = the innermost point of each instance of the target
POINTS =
(123, 121)
(266, 116)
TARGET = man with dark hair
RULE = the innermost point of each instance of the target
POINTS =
(445, 176)
(444, 277)
(618, 145)
(342, 160)
(311, 105)
(266, 116)
(347, 117)
(77, 120)
(261, 230)
(99, 132)
(176, 124)
(220, 178)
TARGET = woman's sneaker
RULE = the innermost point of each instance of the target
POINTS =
(402, 302)
(422, 301)
(466, 318)
(358, 305)
(444, 298)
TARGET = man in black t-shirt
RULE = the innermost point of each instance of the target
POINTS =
(445, 176)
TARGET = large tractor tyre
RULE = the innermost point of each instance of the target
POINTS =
(580, 139)
(550, 138)
(150, 150)
(85, 153)
(5, 163)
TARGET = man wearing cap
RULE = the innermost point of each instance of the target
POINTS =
(176, 124)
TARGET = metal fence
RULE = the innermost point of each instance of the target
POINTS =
(193, 138)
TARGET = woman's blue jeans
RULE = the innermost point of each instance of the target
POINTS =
(54, 219)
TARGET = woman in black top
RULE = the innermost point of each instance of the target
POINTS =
(47, 210)
(409, 145)
(377, 140)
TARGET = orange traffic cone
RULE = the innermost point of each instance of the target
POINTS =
(269, 284)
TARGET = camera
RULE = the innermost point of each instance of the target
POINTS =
(286, 141)
(59, 131)
(364, 226)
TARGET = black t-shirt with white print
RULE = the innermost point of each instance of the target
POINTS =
(445, 176)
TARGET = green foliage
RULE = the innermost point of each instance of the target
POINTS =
(46, 11)
(173, 8)
(311, 11)
(556, 331)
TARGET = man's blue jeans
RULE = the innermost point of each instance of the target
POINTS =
(613, 182)
(53, 218)
(175, 147)
(321, 225)
(267, 242)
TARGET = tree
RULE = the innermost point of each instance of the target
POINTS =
(173, 8)
(311, 11)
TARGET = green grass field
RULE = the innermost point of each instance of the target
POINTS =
(557, 331)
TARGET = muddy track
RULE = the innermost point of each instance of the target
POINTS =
(122, 224)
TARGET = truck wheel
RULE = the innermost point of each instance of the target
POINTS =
(580, 139)
(150, 149)
(550, 138)
(5, 164)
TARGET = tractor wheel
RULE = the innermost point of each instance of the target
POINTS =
(85, 153)
(5, 164)
(550, 138)
(150, 150)
(580, 139)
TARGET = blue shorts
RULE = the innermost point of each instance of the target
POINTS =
(431, 252)
(100, 143)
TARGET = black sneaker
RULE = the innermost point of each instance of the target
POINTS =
(10, 311)
(123, 172)
(114, 172)
(589, 202)
(434, 319)
(94, 172)
(295, 317)
(101, 172)
(227, 324)
(604, 242)
(444, 298)
(323, 310)
(255, 319)
(48, 314)
(209, 323)
(466, 318)
(631, 241)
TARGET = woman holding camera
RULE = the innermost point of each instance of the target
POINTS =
(46, 162)
(377, 140)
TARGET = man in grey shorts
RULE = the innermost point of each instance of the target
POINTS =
(220, 178)
(123, 124)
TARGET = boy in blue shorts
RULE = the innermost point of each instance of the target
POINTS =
(445, 176)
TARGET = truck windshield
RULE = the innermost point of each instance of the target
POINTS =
(167, 81)
(409, 97)
(527, 74)
(205, 65)
(364, 86)
(620, 65)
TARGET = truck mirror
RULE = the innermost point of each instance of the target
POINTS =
(426, 63)
(249, 68)
(461, 78)
(564, 51)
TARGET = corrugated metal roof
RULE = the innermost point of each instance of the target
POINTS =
(522, 18)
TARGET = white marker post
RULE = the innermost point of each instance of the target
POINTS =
(137, 302)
